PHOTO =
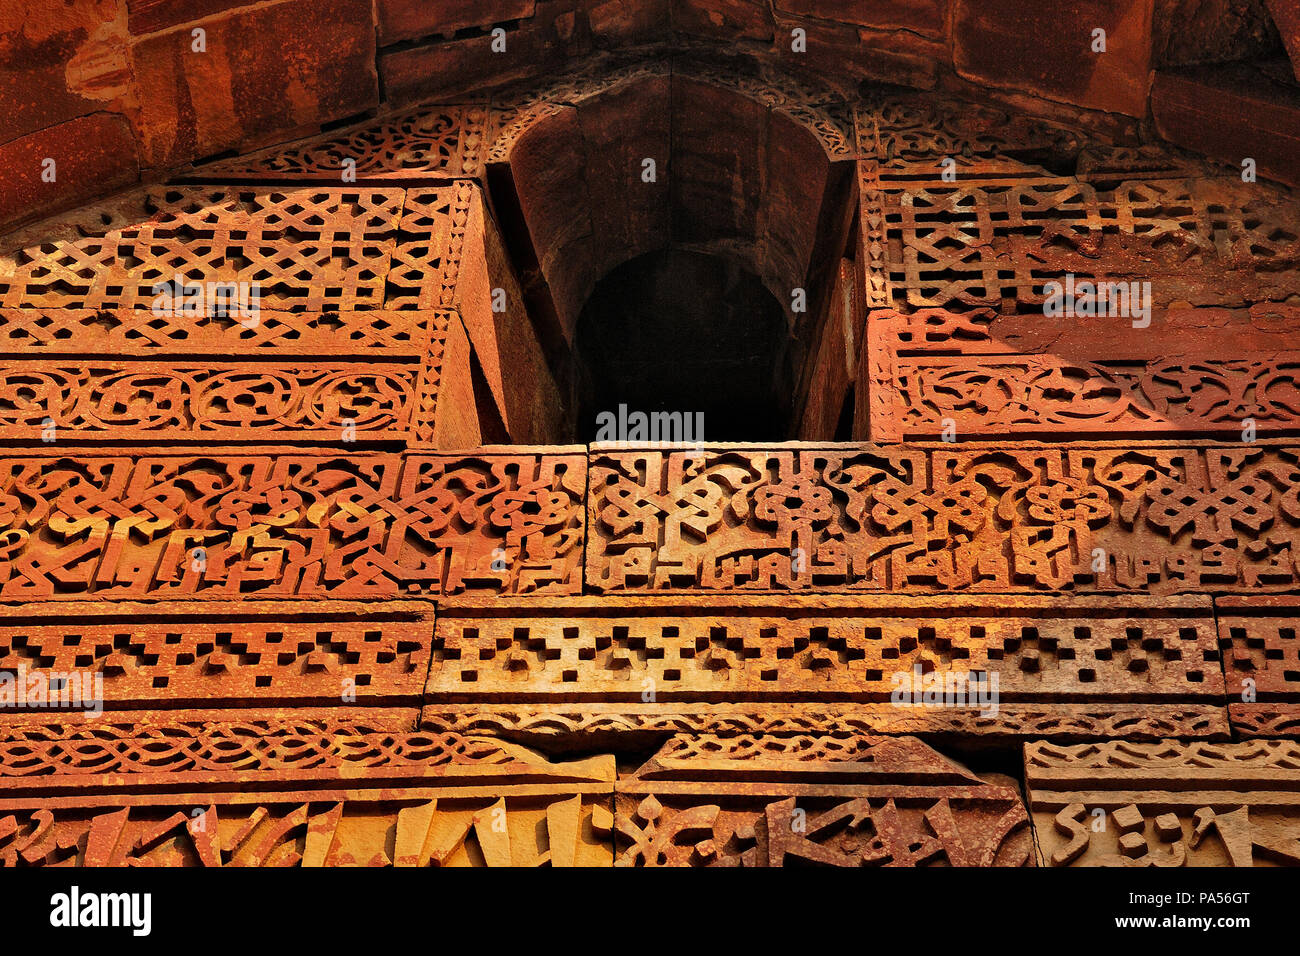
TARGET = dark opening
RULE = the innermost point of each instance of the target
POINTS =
(844, 426)
(678, 331)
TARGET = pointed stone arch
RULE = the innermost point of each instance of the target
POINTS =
(593, 172)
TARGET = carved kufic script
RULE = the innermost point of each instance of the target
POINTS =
(889, 802)
(506, 523)
(1169, 803)
(1010, 518)
(197, 526)
(324, 525)
(466, 802)
(1029, 666)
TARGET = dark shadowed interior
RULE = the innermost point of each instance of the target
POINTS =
(681, 331)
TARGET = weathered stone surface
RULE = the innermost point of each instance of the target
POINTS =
(412, 74)
(1004, 518)
(302, 524)
(620, 22)
(1233, 113)
(733, 19)
(454, 422)
(920, 16)
(429, 142)
(1170, 803)
(459, 801)
(151, 16)
(1100, 376)
(1287, 18)
(411, 19)
(492, 307)
(91, 154)
(845, 55)
(837, 361)
(1048, 50)
(178, 656)
(1022, 666)
(59, 61)
(1187, 32)
(1261, 663)
(268, 70)
(767, 801)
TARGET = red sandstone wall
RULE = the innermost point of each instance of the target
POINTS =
(116, 90)
(337, 637)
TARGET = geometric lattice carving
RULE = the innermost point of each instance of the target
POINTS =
(306, 249)
(142, 332)
(179, 658)
(426, 259)
(982, 245)
(593, 666)
(1261, 663)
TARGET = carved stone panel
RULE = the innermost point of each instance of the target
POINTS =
(441, 141)
(1261, 663)
(804, 800)
(979, 375)
(508, 523)
(944, 517)
(596, 668)
(183, 654)
(221, 526)
(306, 249)
(1170, 803)
(457, 801)
(214, 401)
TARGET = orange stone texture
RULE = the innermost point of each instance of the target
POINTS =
(347, 575)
